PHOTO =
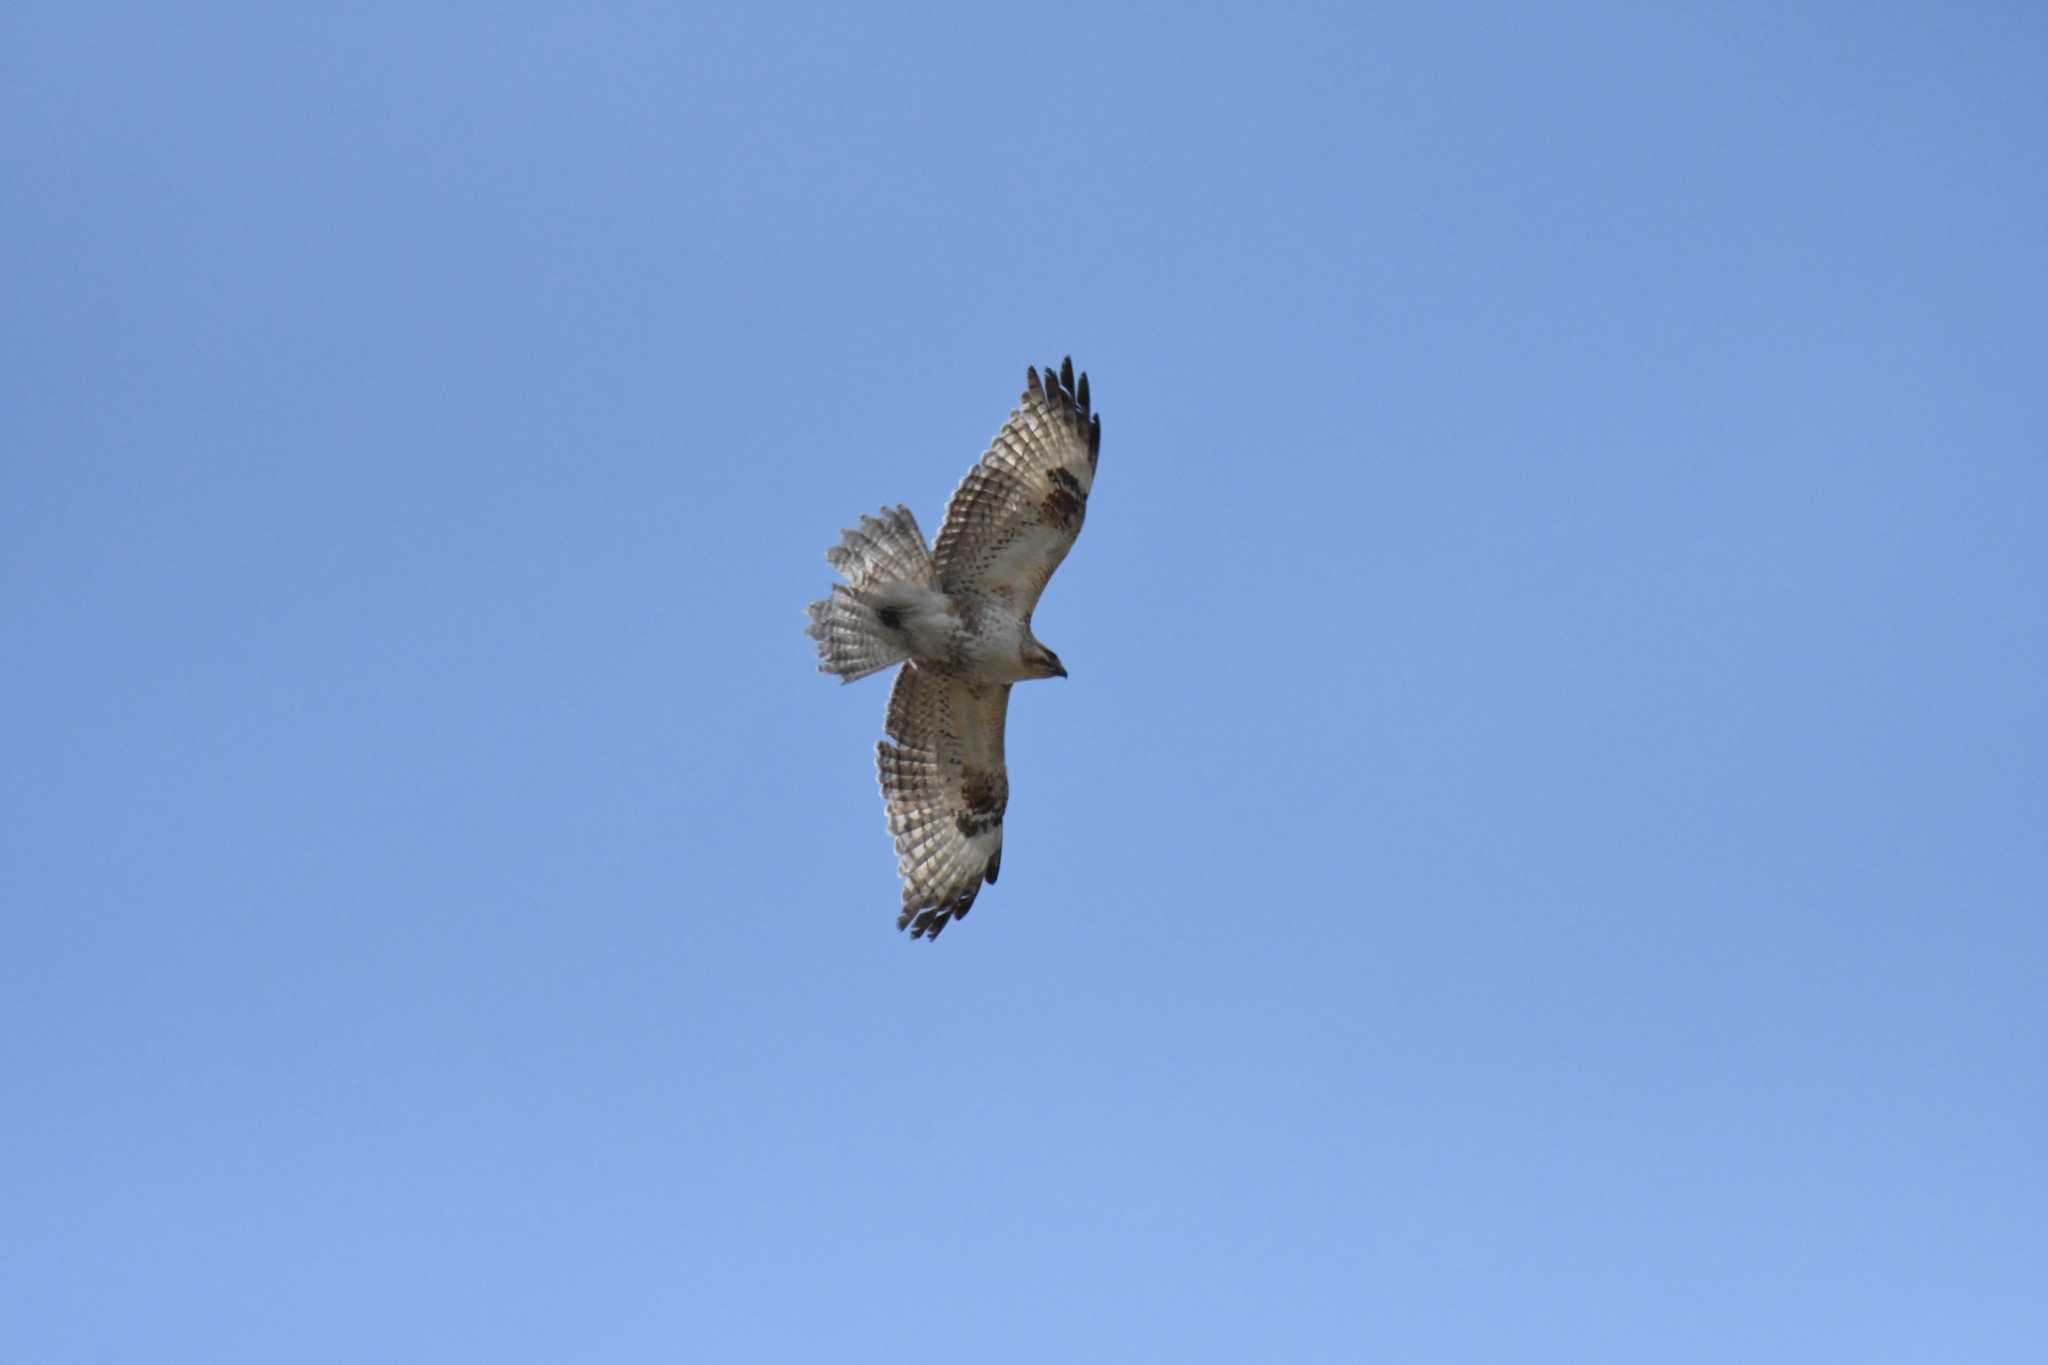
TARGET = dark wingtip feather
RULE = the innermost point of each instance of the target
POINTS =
(926, 924)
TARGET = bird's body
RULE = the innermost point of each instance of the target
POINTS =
(957, 616)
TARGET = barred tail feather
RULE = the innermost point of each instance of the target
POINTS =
(873, 623)
(852, 641)
(884, 548)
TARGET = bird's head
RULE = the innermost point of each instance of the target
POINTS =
(1042, 662)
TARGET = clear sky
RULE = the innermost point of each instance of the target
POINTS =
(1540, 857)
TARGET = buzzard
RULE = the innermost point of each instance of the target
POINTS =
(957, 616)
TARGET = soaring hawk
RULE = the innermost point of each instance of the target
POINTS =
(957, 616)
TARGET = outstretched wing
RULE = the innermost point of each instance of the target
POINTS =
(946, 788)
(1016, 514)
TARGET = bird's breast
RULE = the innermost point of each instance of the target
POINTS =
(990, 644)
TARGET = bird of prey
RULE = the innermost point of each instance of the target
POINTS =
(957, 616)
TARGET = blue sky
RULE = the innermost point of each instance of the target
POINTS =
(1539, 857)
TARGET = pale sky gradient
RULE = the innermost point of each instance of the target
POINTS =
(1540, 857)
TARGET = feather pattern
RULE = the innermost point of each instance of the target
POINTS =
(876, 618)
(1017, 513)
(946, 789)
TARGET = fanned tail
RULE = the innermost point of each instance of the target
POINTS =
(866, 625)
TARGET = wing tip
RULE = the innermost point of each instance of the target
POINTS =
(1066, 392)
(926, 917)
(1057, 381)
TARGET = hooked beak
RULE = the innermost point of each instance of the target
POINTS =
(1059, 670)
